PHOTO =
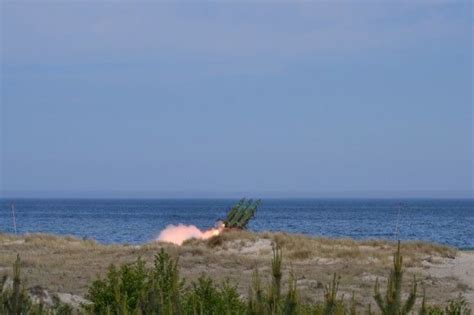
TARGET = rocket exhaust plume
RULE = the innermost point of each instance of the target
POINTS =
(177, 234)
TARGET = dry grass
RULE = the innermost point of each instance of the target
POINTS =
(67, 264)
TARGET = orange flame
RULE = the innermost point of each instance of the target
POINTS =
(177, 234)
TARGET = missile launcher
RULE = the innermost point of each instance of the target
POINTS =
(241, 213)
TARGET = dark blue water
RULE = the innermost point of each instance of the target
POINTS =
(448, 222)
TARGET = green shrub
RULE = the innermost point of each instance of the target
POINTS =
(133, 288)
(392, 303)
(204, 297)
(121, 289)
(15, 300)
(458, 306)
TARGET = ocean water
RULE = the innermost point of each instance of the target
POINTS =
(448, 222)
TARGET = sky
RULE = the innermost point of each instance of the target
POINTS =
(236, 98)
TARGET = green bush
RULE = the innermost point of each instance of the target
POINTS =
(121, 289)
(204, 297)
(15, 300)
(392, 303)
(133, 289)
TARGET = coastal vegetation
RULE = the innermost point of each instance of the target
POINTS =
(159, 287)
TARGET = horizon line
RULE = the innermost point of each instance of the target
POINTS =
(362, 194)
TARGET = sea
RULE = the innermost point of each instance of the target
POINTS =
(135, 221)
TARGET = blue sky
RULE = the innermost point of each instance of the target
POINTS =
(213, 99)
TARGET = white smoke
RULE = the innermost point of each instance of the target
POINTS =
(177, 234)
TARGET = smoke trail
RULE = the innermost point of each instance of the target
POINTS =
(177, 234)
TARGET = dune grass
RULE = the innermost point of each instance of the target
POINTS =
(68, 264)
